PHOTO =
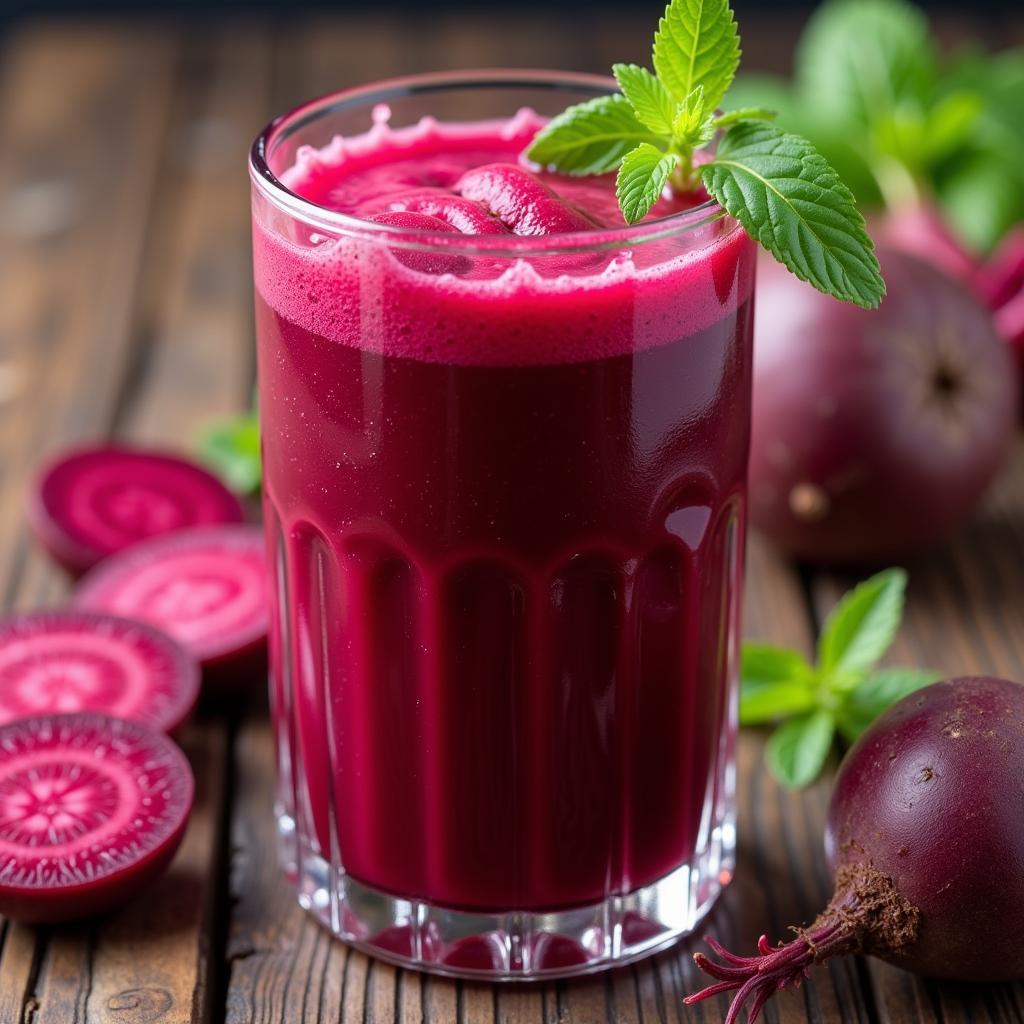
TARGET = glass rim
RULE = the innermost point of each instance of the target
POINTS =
(336, 222)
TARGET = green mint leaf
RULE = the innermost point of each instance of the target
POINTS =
(797, 751)
(744, 114)
(981, 187)
(763, 663)
(697, 44)
(788, 197)
(981, 199)
(950, 124)
(845, 150)
(877, 694)
(651, 101)
(590, 138)
(862, 626)
(770, 702)
(858, 59)
(774, 683)
(642, 180)
(1001, 123)
(692, 127)
(232, 451)
(920, 140)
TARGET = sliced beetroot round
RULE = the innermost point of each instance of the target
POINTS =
(521, 201)
(92, 808)
(64, 662)
(206, 587)
(92, 502)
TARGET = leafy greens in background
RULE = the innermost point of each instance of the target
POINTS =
(899, 121)
(842, 694)
(232, 450)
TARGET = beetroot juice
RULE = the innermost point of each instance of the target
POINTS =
(505, 444)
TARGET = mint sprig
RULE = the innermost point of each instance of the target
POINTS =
(783, 192)
(841, 695)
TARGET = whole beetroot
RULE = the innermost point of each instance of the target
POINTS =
(926, 837)
(874, 432)
(920, 230)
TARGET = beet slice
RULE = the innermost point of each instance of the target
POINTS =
(425, 262)
(92, 808)
(521, 201)
(65, 662)
(89, 503)
(206, 587)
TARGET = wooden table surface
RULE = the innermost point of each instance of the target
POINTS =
(125, 303)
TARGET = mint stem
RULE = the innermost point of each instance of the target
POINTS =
(682, 179)
(899, 188)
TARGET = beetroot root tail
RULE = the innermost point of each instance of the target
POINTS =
(756, 979)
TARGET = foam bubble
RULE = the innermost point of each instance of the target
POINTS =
(502, 311)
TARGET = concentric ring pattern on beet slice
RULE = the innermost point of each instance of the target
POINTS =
(207, 588)
(92, 502)
(64, 662)
(92, 808)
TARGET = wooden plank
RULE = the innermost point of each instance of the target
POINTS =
(322, 55)
(195, 361)
(19, 964)
(963, 617)
(283, 966)
(149, 353)
(518, 39)
(196, 358)
(76, 176)
(77, 171)
(149, 961)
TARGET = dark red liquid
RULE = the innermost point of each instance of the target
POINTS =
(508, 569)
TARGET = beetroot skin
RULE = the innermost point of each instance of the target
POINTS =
(939, 776)
(874, 433)
(89, 503)
(920, 230)
(926, 837)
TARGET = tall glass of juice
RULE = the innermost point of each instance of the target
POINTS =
(505, 442)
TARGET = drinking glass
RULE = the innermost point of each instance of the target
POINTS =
(504, 501)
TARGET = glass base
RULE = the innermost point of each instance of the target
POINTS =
(512, 946)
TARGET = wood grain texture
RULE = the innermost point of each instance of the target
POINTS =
(283, 966)
(125, 304)
(192, 360)
(110, 338)
(77, 173)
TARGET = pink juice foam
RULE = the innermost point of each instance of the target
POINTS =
(505, 493)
